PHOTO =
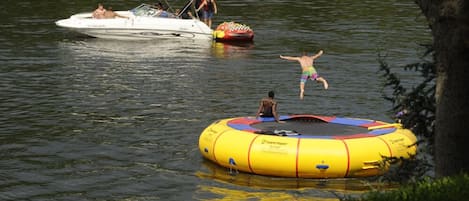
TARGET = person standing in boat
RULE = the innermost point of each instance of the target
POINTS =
(308, 70)
(268, 107)
(197, 5)
(99, 12)
(209, 8)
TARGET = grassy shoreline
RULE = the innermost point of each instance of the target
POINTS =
(455, 188)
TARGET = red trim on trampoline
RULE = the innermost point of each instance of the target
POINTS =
(297, 156)
(249, 153)
(372, 124)
(324, 118)
(243, 121)
(389, 147)
(348, 158)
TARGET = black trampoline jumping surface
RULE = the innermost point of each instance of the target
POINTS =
(311, 127)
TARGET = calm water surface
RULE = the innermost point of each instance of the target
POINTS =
(91, 119)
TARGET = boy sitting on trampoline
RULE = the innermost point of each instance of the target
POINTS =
(268, 107)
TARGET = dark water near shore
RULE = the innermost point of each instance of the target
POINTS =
(91, 119)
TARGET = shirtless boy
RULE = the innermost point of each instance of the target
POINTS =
(99, 12)
(308, 70)
(109, 14)
(268, 107)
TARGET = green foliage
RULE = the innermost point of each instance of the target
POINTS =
(405, 170)
(415, 108)
(449, 189)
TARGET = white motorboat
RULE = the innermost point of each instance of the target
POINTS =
(142, 22)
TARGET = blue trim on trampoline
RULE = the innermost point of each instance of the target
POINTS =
(351, 122)
(266, 119)
(382, 131)
(269, 119)
(241, 127)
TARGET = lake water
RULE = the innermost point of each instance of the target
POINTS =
(92, 119)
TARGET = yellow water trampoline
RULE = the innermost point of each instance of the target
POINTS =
(306, 146)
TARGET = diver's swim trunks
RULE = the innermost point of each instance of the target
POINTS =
(309, 74)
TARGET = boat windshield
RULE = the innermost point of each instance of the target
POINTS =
(145, 10)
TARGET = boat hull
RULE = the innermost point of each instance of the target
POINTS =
(136, 27)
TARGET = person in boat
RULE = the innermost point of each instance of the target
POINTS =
(109, 14)
(308, 70)
(184, 15)
(197, 5)
(99, 12)
(161, 10)
(268, 107)
(159, 6)
(209, 8)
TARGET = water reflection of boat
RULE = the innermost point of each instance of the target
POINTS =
(143, 22)
(231, 49)
(132, 51)
(306, 146)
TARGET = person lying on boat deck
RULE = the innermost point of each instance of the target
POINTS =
(99, 12)
(268, 107)
(111, 14)
(308, 70)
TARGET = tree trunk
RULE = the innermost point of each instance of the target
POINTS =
(449, 23)
(451, 32)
